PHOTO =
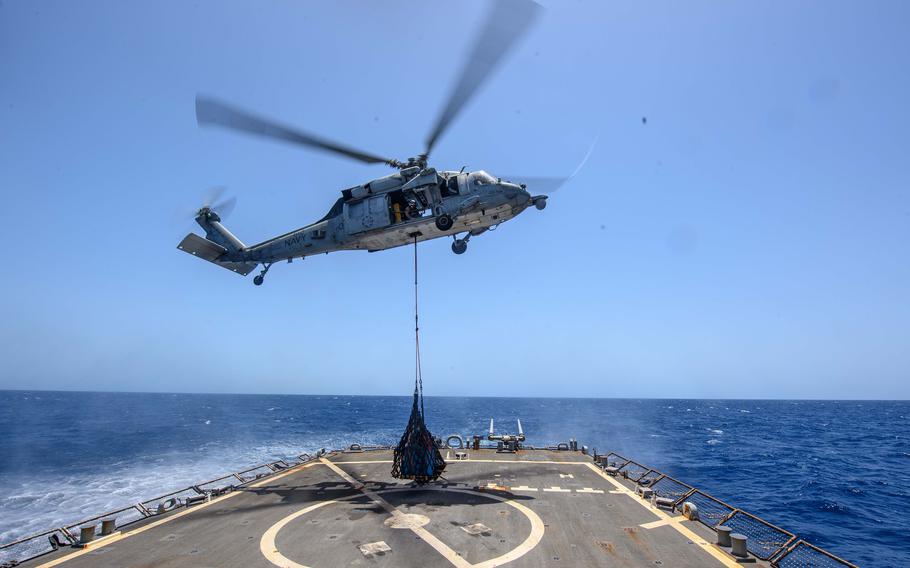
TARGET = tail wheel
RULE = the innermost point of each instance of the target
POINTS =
(258, 279)
(444, 222)
(459, 246)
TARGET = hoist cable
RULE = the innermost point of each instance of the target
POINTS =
(417, 455)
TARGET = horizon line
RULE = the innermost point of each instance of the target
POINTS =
(759, 399)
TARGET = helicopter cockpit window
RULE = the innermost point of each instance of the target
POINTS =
(450, 187)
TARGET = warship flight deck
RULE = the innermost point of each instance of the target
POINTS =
(536, 507)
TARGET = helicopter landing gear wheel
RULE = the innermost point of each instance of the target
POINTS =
(260, 278)
(459, 246)
(444, 222)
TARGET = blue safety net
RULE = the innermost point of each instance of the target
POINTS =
(710, 511)
(764, 540)
(669, 488)
(804, 555)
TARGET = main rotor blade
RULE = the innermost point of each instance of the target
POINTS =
(537, 185)
(507, 21)
(547, 185)
(212, 112)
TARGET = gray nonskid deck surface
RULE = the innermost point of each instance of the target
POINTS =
(557, 511)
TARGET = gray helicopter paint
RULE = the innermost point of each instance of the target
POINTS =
(416, 203)
(367, 223)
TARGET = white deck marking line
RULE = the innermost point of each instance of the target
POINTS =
(537, 526)
(617, 492)
(589, 490)
(662, 522)
(565, 475)
(142, 529)
(267, 543)
(524, 488)
(424, 534)
(546, 462)
(556, 489)
(684, 530)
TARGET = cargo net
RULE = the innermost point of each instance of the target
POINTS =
(764, 540)
(417, 455)
(710, 511)
(804, 555)
(669, 488)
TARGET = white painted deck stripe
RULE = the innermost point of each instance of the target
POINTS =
(662, 522)
(718, 555)
(537, 527)
(169, 518)
(424, 534)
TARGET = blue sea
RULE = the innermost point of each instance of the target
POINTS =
(834, 472)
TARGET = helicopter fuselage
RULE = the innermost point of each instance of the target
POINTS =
(390, 212)
(415, 204)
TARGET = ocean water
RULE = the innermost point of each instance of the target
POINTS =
(834, 472)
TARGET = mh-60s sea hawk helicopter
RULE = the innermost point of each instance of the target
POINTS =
(415, 204)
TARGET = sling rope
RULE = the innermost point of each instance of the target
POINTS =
(417, 455)
(418, 376)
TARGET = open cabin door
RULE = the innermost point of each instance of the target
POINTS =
(367, 214)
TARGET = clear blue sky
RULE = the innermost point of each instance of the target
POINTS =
(751, 240)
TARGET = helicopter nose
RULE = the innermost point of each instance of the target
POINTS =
(513, 189)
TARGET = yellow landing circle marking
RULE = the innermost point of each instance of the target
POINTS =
(545, 462)
(269, 550)
(112, 539)
(267, 542)
(678, 526)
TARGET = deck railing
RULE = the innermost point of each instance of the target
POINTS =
(765, 540)
(32, 546)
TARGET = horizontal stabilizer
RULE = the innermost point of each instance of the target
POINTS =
(210, 251)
